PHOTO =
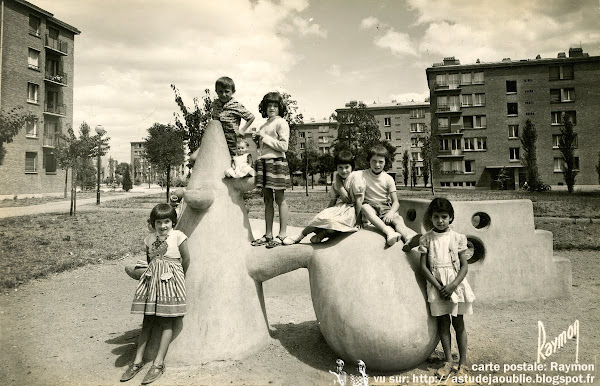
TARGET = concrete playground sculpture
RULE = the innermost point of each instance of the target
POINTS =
(370, 301)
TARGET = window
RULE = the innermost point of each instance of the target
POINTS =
(576, 163)
(442, 123)
(469, 166)
(416, 156)
(478, 99)
(480, 122)
(453, 80)
(454, 103)
(33, 59)
(49, 163)
(302, 134)
(465, 78)
(452, 167)
(468, 122)
(34, 25)
(571, 116)
(418, 127)
(32, 92)
(323, 129)
(561, 72)
(417, 113)
(562, 95)
(388, 135)
(302, 145)
(387, 122)
(30, 162)
(513, 131)
(440, 80)
(557, 117)
(470, 183)
(556, 141)
(445, 184)
(481, 144)
(513, 153)
(416, 142)
(555, 95)
(558, 164)
(323, 139)
(31, 128)
(442, 103)
(478, 78)
(475, 143)
(512, 108)
(511, 86)
(469, 143)
(467, 100)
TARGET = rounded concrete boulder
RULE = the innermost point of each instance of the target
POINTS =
(371, 303)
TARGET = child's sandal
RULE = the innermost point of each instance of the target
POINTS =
(131, 371)
(445, 370)
(264, 240)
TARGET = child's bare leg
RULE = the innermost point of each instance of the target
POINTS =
(283, 212)
(320, 235)
(461, 338)
(269, 211)
(444, 331)
(143, 338)
(166, 327)
(305, 232)
(390, 234)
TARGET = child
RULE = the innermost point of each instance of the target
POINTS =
(272, 173)
(240, 165)
(160, 294)
(344, 216)
(380, 190)
(444, 264)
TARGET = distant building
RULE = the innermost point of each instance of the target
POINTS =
(478, 112)
(403, 125)
(36, 60)
(317, 135)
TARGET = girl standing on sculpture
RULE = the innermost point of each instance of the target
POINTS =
(160, 294)
(444, 264)
(272, 172)
(342, 216)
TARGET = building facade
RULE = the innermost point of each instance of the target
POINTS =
(316, 135)
(478, 112)
(403, 125)
(36, 59)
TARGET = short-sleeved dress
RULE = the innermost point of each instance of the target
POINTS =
(161, 289)
(341, 217)
(241, 167)
(442, 256)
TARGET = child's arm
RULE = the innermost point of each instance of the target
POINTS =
(283, 136)
(243, 129)
(332, 202)
(185, 255)
(389, 216)
(358, 200)
(464, 268)
(427, 273)
(148, 254)
(249, 159)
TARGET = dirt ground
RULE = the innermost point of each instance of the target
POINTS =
(75, 328)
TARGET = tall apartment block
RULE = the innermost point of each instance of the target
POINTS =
(403, 125)
(478, 112)
(316, 135)
(36, 60)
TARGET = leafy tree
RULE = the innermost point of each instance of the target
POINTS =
(293, 118)
(502, 178)
(566, 145)
(194, 120)
(529, 160)
(164, 149)
(121, 168)
(11, 122)
(312, 166)
(295, 164)
(405, 171)
(126, 179)
(413, 173)
(428, 154)
(136, 170)
(326, 166)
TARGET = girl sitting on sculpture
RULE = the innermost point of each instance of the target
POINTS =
(160, 294)
(444, 263)
(342, 216)
(240, 164)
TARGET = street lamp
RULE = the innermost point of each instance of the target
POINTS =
(100, 131)
(148, 176)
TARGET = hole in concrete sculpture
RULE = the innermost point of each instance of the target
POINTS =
(411, 215)
(481, 220)
(476, 251)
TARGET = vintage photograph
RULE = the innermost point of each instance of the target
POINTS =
(299, 192)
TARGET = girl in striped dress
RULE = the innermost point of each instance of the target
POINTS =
(160, 294)
(272, 172)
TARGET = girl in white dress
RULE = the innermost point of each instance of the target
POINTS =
(240, 164)
(444, 264)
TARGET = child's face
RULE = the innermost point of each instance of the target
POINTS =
(163, 226)
(344, 170)
(224, 93)
(441, 221)
(272, 109)
(377, 163)
(241, 148)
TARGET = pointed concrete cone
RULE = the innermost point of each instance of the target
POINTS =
(226, 317)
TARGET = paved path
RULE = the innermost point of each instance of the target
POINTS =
(63, 206)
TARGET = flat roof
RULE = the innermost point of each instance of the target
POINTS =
(391, 105)
(50, 16)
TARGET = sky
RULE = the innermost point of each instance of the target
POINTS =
(324, 53)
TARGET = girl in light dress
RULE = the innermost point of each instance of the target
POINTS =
(342, 216)
(444, 264)
(240, 164)
(160, 295)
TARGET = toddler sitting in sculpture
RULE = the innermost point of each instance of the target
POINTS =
(344, 216)
(444, 263)
(240, 164)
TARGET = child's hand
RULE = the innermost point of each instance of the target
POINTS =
(448, 290)
(388, 218)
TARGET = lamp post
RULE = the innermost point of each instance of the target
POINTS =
(148, 176)
(100, 131)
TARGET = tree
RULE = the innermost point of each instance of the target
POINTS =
(11, 122)
(164, 149)
(293, 118)
(529, 160)
(428, 154)
(405, 171)
(127, 180)
(136, 170)
(326, 166)
(112, 165)
(502, 178)
(566, 145)
(194, 120)
(295, 164)
(312, 165)
(413, 173)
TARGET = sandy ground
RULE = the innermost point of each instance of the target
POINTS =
(75, 328)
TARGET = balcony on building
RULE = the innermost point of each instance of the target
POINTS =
(446, 87)
(447, 109)
(52, 108)
(57, 78)
(56, 45)
(450, 153)
(50, 140)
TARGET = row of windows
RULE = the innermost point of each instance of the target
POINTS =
(458, 79)
(32, 164)
(455, 184)
(468, 166)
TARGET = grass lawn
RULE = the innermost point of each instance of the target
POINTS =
(34, 246)
(43, 200)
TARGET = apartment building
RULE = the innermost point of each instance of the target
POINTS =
(403, 125)
(316, 135)
(478, 112)
(36, 60)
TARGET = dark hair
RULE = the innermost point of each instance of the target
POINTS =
(162, 211)
(378, 150)
(440, 205)
(225, 82)
(344, 157)
(272, 97)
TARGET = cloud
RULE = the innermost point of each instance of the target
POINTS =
(306, 28)
(369, 22)
(335, 70)
(398, 43)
